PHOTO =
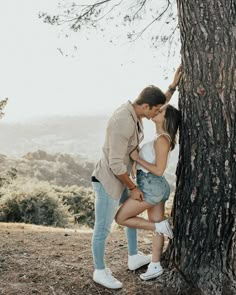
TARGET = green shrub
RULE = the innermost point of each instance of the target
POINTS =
(80, 202)
(7, 176)
(32, 202)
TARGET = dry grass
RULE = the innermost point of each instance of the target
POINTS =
(56, 261)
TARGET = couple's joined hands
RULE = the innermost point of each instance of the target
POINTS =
(136, 194)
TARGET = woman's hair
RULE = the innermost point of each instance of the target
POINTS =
(171, 124)
(151, 95)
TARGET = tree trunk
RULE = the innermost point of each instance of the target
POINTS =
(204, 211)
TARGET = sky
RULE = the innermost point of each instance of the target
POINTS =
(43, 74)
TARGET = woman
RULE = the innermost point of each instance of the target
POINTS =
(151, 164)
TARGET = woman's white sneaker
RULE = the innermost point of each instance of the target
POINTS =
(105, 278)
(154, 270)
(163, 228)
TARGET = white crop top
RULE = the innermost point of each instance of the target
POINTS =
(147, 152)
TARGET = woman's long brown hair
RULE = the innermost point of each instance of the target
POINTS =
(172, 122)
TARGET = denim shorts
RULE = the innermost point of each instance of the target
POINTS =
(155, 188)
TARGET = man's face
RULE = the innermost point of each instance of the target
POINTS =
(151, 112)
(160, 117)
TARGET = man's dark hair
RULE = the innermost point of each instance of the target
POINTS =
(151, 95)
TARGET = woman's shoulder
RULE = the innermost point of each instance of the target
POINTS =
(162, 139)
(163, 136)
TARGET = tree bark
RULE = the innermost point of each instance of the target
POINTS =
(204, 211)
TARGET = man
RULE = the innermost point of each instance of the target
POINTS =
(111, 180)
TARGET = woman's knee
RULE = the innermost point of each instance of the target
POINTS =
(119, 220)
(156, 217)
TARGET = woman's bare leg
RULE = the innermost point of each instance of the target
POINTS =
(127, 215)
(156, 214)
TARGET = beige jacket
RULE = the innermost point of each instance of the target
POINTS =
(122, 137)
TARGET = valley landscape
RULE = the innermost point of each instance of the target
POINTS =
(47, 213)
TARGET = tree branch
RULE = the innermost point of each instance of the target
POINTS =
(2, 106)
(113, 7)
(140, 8)
(155, 19)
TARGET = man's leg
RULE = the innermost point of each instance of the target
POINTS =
(105, 209)
(131, 236)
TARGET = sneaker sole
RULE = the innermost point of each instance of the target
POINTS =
(106, 286)
(139, 265)
(153, 276)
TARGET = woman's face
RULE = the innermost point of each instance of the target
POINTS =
(160, 117)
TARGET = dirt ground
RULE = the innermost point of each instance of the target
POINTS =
(45, 260)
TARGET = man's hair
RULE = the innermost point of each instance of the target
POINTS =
(151, 95)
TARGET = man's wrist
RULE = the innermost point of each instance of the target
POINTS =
(132, 188)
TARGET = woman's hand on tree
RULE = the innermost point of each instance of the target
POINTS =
(177, 76)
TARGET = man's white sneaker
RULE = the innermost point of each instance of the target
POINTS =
(154, 270)
(163, 228)
(105, 278)
(138, 260)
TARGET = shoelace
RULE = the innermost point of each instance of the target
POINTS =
(141, 253)
(150, 269)
(110, 276)
(108, 270)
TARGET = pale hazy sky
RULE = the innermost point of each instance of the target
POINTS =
(95, 79)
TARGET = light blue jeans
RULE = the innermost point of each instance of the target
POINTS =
(105, 210)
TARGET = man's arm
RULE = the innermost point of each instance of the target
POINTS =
(171, 89)
(119, 138)
(135, 192)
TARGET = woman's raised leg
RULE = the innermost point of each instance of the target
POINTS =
(127, 215)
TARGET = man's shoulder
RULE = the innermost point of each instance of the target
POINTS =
(123, 112)
(122, 117)
(122, 121)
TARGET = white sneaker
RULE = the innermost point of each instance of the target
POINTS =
(154, 270)
(138, 260)
(163, 228)
(105, 278)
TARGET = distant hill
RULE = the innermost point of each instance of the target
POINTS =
(58, 169)
(71, 135)
(80, 137)
(75, 135)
